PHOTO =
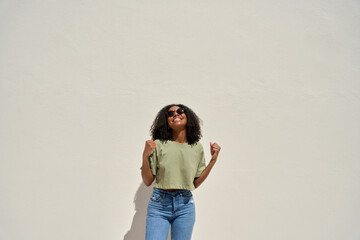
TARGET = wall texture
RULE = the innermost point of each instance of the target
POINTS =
(276, 84)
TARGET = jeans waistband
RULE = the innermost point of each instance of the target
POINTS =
(171, 193)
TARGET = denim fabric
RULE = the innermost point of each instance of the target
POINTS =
(170, 208)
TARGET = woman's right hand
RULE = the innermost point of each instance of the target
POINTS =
(149, 147)
(146, 172)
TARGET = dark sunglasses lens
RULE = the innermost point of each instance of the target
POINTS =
(171, 113)
(180, 111)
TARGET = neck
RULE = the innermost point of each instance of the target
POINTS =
(179, 136)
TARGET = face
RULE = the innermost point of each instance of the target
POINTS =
(177, 121)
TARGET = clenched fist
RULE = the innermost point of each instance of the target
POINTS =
(149, 147)
(214, 150)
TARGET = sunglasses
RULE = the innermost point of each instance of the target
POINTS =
(178, 111)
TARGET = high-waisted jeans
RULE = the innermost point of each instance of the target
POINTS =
(170, 208)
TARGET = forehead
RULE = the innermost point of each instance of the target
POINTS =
(173, 108)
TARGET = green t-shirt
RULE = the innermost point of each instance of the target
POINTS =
(176, 165)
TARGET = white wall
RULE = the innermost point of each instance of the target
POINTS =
(276, 84)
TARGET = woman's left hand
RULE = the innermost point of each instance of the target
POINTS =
(214, 150)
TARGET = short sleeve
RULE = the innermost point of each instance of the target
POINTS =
(202, 164)
(153, 161)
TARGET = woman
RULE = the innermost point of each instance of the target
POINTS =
(175, 159)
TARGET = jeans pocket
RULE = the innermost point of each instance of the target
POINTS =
(187, 196)
(155, 197)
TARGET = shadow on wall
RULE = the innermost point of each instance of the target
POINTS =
(138, 225)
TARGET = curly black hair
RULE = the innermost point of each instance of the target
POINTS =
(160, 129)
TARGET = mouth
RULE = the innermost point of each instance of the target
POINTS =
(177, 119)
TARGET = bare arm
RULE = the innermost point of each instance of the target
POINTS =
(204, 174)
(146, 173)
(214, 150)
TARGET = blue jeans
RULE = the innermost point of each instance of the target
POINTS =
(170, 208)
